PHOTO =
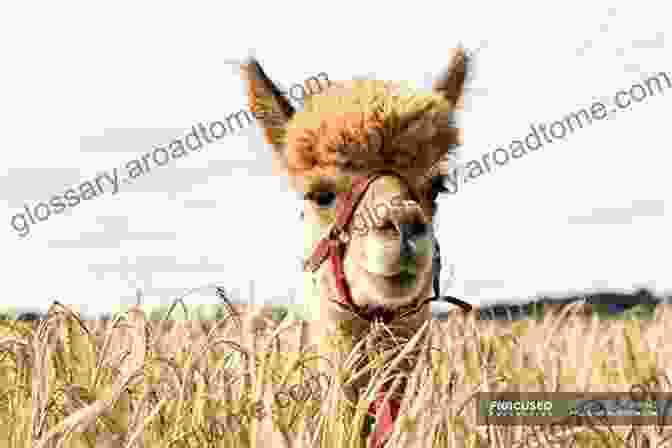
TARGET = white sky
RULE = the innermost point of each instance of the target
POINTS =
(87, 87)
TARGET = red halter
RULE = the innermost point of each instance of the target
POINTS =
(333, 245)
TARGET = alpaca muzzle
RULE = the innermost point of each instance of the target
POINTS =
(333, 246)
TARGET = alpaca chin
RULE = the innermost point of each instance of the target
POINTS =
(377, 274)
(391, 292)
(383, 257)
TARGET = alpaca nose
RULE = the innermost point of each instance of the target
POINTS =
(406, 221)
(396, 214)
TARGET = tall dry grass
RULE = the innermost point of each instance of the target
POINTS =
(133, 382)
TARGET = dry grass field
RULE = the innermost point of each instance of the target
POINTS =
(247, 380)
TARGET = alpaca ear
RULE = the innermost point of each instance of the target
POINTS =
(269, 107)
(450, 83)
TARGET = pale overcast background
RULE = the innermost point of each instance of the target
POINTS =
(86, 87)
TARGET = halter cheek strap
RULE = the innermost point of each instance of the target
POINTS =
(332, 247)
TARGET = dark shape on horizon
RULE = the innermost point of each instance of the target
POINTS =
(615, 302)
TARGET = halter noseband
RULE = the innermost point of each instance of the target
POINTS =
(332, 246)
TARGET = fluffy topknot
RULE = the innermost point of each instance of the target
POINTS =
(370, 124)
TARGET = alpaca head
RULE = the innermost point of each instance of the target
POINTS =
(344, 134)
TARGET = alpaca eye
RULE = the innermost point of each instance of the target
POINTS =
(325, 198)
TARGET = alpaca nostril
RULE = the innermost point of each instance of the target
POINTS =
(408, 248)
(414, 230)
(419, 229)
(410, 232)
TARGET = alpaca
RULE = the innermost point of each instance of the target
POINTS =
(358, 146)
